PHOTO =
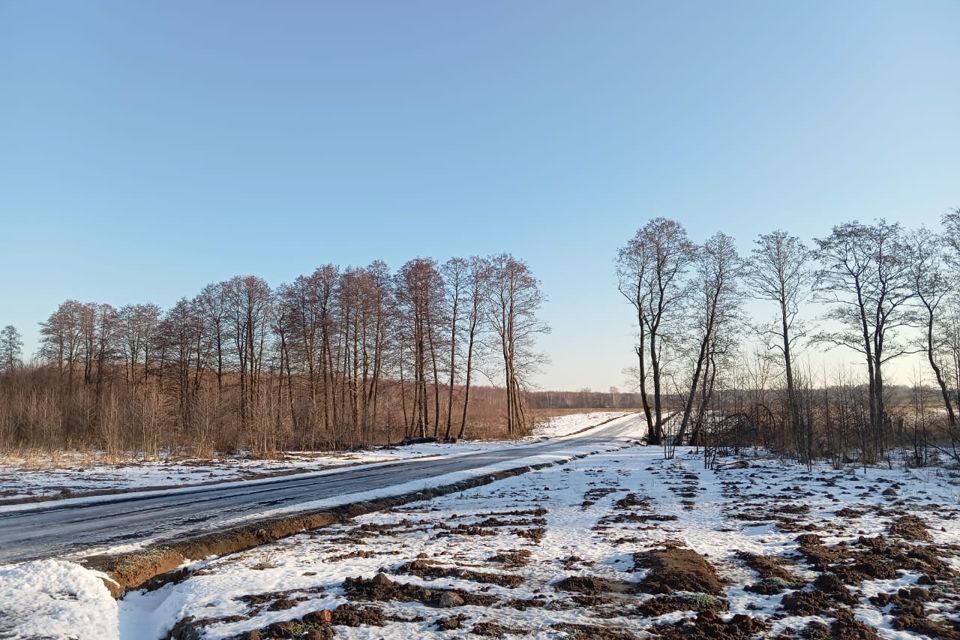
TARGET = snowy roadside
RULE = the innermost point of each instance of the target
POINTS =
(73, 602)
(67, 477)
(616, 545)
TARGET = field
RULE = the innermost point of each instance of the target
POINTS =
(618, 544)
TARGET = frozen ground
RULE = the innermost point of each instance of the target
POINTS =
(71, 475)
(621, 544)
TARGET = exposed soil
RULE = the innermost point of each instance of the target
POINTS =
(910, 528)
(877, 558)
(677, 569)
(512, 559)
(774, 578)
(709, 626)
(660, 605)
(910, 614)
(382, 588)
(593, 585)
(592, 632)
(495, 630)
(425, 569)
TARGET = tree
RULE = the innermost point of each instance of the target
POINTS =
(931, 287)
(249, 305)
(456, 276)
(478, 284)
(515, 300)
(11, 348)
(779, 270)
(137, 333)
(716, 306)
(419, 295)
(865, 276)
(651, 270)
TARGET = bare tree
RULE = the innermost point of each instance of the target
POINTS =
(779, 270)
(865, 276)
(931, 286)
(249, 309)
(419, 294)
(478, 282)
(515, 300)
(138, 327)
(652, 270)
(456, 275)
(716, 306)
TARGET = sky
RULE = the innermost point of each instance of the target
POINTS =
(147, 149)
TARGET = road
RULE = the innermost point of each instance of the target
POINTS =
(56, 529)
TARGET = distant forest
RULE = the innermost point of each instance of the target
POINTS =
(341, 357)
(347, 357)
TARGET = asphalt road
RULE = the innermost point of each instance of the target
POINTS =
(56, 529)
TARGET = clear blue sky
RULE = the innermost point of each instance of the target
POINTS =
(147, 149)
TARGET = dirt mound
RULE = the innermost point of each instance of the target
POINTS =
(534, 535)
(677, 569)
(380, 588)
(843, 627)
(495, 630)
(660, 605)
(515, 558)
(910, 528)
(774, 578)
(910, 613)
(451, 623)
(807, 603)
(593, 585)
(709, 626)
(876, 558)
(425, 569)
(351, 615)
(591, 496)
(592, 632)
(631, 501)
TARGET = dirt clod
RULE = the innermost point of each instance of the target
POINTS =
(677, 569)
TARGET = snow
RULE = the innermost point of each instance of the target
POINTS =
(309, 569)
(55, 599)
(559, 426)
(69, 475)
(584, 533)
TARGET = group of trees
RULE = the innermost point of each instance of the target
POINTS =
(336, 358)
(878, 290)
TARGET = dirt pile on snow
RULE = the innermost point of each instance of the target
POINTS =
(677, 569)
(382, 588)
(709, 626)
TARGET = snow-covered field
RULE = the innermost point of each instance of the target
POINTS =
(68, 475)
(565, 425)
(621, 544)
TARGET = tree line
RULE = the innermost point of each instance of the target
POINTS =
(705, 368)
(340, 357)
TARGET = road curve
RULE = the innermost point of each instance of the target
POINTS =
(70, 527)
